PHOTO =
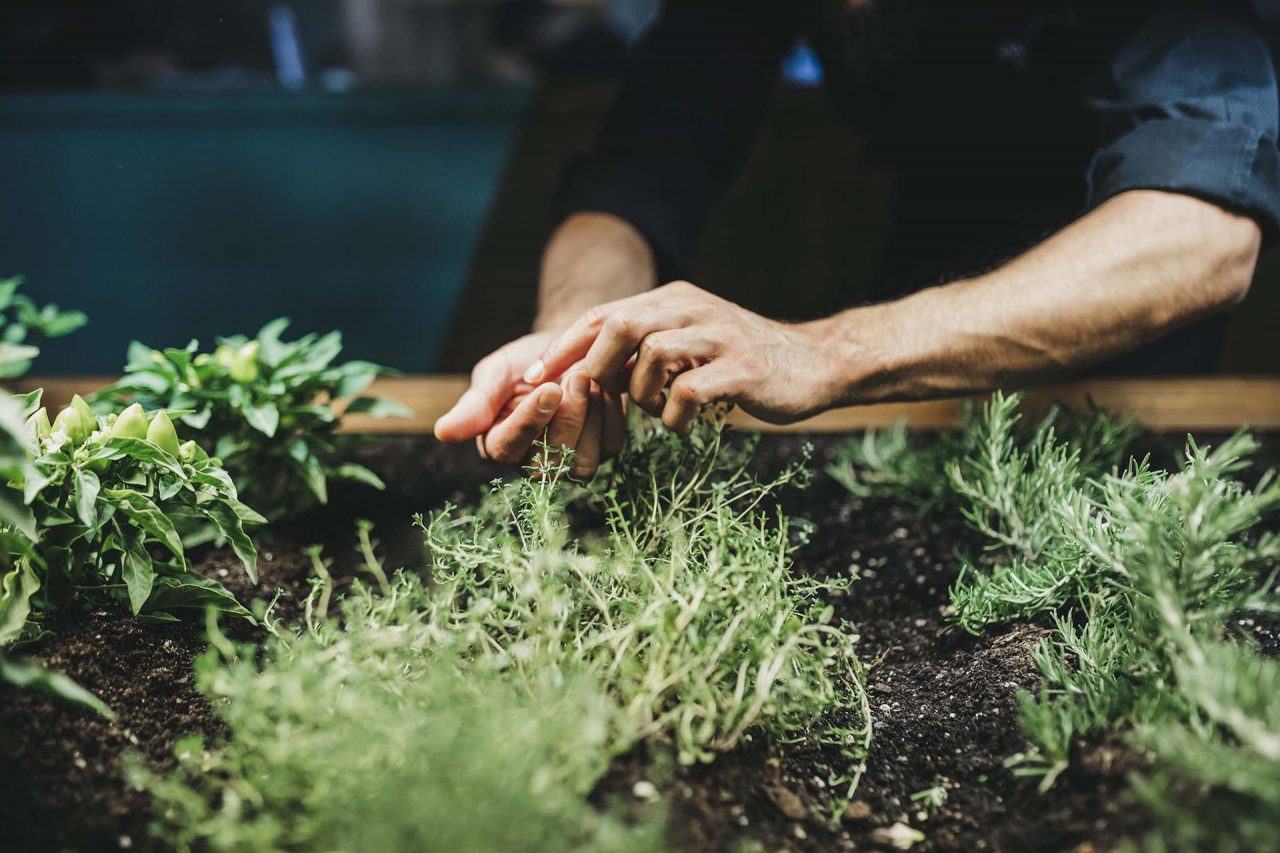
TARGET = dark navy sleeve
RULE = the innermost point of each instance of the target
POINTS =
(1188, 104)
(678, 130)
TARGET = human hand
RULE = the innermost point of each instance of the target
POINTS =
(506, 415)
(706, 349)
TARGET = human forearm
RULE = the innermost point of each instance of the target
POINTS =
(1141, 265)
(592, 258)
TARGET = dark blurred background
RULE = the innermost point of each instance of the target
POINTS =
(186, 168)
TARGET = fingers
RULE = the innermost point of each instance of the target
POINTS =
(693, 390)
(605, 339)
(662, 356)
(566, 427)
(509, 441)
(571, 345)
(620, 338)
(613, 431)
(587, 459)
(491, 386)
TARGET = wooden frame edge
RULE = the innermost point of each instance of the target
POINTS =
(1211, 403)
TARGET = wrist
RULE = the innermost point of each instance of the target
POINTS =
(866, 357)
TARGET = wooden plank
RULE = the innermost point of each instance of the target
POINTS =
(1175, 404)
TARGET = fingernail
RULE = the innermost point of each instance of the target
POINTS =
(579, 386)
(533, 372)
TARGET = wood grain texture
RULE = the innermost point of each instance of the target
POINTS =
(1170, 405)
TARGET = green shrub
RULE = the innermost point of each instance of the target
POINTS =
(265, 406)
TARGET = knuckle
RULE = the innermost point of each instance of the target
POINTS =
(595, 315)
(654, 348)
(618, 324)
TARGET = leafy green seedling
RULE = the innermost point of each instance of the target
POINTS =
(97, 514)
(22, 324)
(265, 406)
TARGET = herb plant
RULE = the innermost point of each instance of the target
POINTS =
(15, 463)
(103, 504)
(536, 655)
(366, 734)
(687, 610)
(265, 406)
(1139, 571)
(22, 324)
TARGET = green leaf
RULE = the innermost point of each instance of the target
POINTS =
(15, 359)
(198, 420)
(39, 476)
(64, 323)
(355, 376)
(141, 450)
(86, 490)
(16, 589)
(136, 569)
(358, 473)
(378, 407)
(230, 526)
(264, 417)
(25, 674)
(8, 287)
(311, 470)
(179, 592)
(15, 513)
(146, 515)
(269, 337)
(29, 402)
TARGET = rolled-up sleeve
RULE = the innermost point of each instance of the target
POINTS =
(680, 125)
(1188, 103)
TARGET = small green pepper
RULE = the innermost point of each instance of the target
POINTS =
(39, 423)
(131, 423)
(162, 434)
(73, 424)
(244, 363)
(86, 414)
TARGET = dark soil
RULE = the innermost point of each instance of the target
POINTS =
(943, 703)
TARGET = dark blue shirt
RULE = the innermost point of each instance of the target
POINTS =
(1179, 97)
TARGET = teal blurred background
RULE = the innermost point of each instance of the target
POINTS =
(171, 216)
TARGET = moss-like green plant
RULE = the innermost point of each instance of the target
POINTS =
(367, 734)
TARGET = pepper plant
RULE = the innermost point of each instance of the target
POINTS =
(103, 501)
(21, 321)
(265, 406)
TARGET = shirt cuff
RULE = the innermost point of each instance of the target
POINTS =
(671, 228)
(1231, 165)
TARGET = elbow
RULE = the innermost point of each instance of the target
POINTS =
(1236, 249)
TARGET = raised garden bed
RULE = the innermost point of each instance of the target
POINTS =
(943, 702)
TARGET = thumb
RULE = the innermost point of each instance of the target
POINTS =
(475, 412)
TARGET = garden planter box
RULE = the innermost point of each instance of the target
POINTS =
(942, 702)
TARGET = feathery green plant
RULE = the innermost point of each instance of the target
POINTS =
(687, 610)
(1139, 571)
(366, 733)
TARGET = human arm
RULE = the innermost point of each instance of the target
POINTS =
(673, 139)
(1141, 264)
